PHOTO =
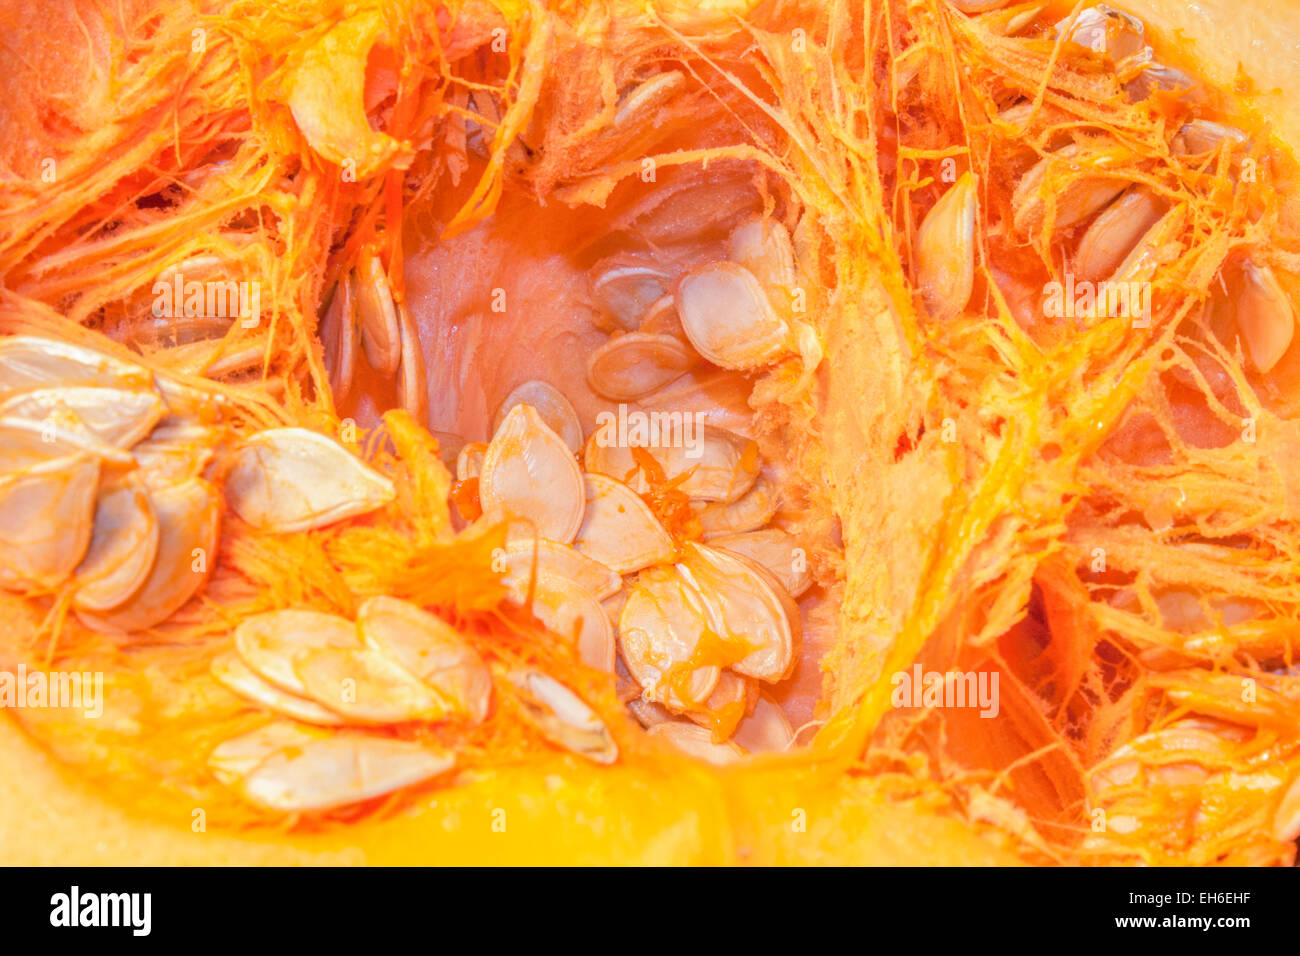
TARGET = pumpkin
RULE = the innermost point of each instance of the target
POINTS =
(338, 323)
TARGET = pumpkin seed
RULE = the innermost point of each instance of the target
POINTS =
(412, 381)
(572, 612)
(636, 363)
(1112, 235)
(292, 479)
(1264, 314)
(239, 756)
(1073, 173)
(1105, 31)
(660, 632)
(696, 741)
(662, 319)
(744, 606)
(46, 511)
(752, 510)
(649, 95)
(123, 546)
(728, 318)
(1203, 742)
(1200, 136)
(67, 433)
(430, 650)
(469, 461)
(120, 417)
(715, 465)
(1161, 78)
(237, 677)
(766, 730)
(294, 770)
(530, 474)
(28, 361)
(175, 452)
(562, 716)
(524, 555)
(1158, 245)
(338, 334)
(763, 247)
(381, 330)
(189, 522)
(725, 706)
(618, 528)
(775, 550)
(945, 250)
(364, 686)
(550, 404)
(647, 713)
(714, 396)
(270, 643)
(626, 285)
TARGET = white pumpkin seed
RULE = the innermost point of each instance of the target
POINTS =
(562, 716)
(338, 331)
(302, 771)
(659, 633)
(271, 643)
(526, 554)
(189, 523)
(634, 364)
(28, 361)
(236, 676)
(550, 404)
(618, 528)
(766, 730)
(626, 285)
(1265, 315)
(763, 247)
(365, 686)
(728, 318)
(123, 546)
(381, 330)
(430, 650)
(696, 741)
(775, 550)
(945, 250)
(292, 479)
(46, 512)
(530, 474)
(744, 606)
(120, 417)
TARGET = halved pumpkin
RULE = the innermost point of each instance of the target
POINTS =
(485, 234)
